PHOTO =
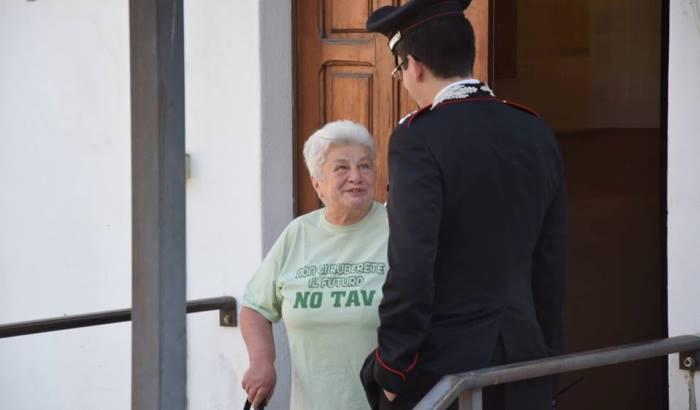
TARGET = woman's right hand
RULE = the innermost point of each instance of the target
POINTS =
(259, 382)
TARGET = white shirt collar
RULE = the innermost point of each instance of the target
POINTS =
(438, 97)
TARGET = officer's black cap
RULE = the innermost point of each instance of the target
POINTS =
(392, 20)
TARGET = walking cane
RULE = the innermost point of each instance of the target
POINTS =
(249, 405)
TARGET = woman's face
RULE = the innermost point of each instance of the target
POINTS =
(347, 179)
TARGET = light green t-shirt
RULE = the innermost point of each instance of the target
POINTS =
(326, 282)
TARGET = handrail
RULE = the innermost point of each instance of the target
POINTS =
(450, 387)
(226, 305)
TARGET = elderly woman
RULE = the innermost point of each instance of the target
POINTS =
(323, 276)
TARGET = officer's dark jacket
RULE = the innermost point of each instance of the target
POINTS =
(477, 241)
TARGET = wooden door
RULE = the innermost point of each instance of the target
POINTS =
(343, 72)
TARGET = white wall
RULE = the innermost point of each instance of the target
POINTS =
(239, 137)
(65, 209)
(223, 194)
(683, 186)
(65, 234)
(277, 159)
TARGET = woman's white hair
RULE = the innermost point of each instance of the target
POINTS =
(340, 132)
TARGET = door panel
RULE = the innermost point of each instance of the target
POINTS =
(344, 17)
(347, 93)
(342, 72)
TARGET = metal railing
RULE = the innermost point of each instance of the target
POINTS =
(468, 386)
(226, 305)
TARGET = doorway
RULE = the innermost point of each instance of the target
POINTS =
(593, 70)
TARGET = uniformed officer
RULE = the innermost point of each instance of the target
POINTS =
(477, 223)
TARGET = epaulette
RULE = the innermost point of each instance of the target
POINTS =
(521, 107)
(476, 99)
(405, 117)
(412, 116)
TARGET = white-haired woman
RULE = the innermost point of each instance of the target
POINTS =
(323, 276)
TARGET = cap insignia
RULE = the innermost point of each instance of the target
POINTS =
(394, 40)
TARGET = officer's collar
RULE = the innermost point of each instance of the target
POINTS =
(470, 87)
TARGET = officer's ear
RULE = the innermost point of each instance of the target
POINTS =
(419, 69)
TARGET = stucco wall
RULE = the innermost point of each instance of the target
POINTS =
(65, 241)
(223, 194)
(277, 102)
(239, 137)
(683, 186)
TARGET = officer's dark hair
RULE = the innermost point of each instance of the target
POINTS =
(445, 45)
